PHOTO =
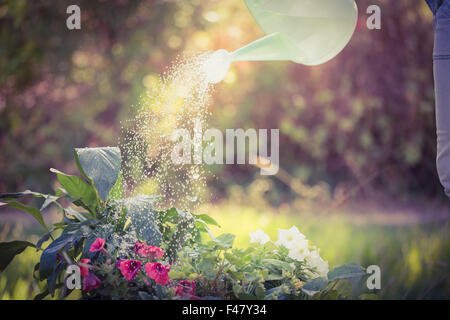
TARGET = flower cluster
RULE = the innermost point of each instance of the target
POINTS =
(131, 268)
(298, 246)
(116, 266)
(90, 281)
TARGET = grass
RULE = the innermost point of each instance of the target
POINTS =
(414, 258)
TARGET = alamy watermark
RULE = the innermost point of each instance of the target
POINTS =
(374, 20)
(73, 280)
(73, 21)
(189, 150)
(374, 280)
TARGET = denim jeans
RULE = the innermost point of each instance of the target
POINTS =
(441, 59)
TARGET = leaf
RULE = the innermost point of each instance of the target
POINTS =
(8, 250)
(127, 224)
(225, 241)
(102, 165)
(77, 189)
(246, 296)
(206, 218)
(51, 281)
(169, 215)
(48, 257)
(43, 239)
(42, 295)
(260, 292)
(49, 199)
(31, 210)
(182, 229)
(203, 227)
(274, 265)
(346, 271)
(369, 296)
(273, 276)
(17, 195)
(207, 267)
(343, 288)
(87, 245)
(116, 191)
(35, 269)
(78, 215)
(142, 215)
(144, 295)
(314, 286)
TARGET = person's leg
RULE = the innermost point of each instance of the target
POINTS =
(441, 59)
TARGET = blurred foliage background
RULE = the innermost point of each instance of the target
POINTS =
(360, 127)
(369, 112)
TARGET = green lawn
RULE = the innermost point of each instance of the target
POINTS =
(414, 258)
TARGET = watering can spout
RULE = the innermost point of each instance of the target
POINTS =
(275, 46)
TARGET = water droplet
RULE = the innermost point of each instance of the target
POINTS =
(192, 198)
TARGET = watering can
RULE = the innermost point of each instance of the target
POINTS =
(310, 32)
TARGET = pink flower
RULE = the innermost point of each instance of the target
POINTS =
(84, 270)
(151, 252)
(97, 245)
(158, 272)
(185, 288)
(130, 268)
(91, 282)
(119, 260)
(138, 246)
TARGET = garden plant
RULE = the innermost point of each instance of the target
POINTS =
(126, 247)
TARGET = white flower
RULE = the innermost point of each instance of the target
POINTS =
(289, 238)
(259, 237)
(315, 261)
(299, 251)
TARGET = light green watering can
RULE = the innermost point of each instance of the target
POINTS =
(309, 32)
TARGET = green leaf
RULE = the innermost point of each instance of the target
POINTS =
(206, 218)
(277, 265)
(183, 228)
(117, 190)
(207, 267)
(31, 210)
(101, 165)
(80, 216)
(78, 189)
(49, 199)
(225, 241)
(260, 292)
(8, 250)
(246, 296)
(369, 296)
(142, 215)
(346, 271)
(314, 286)
(17, 195)
(169, 215)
